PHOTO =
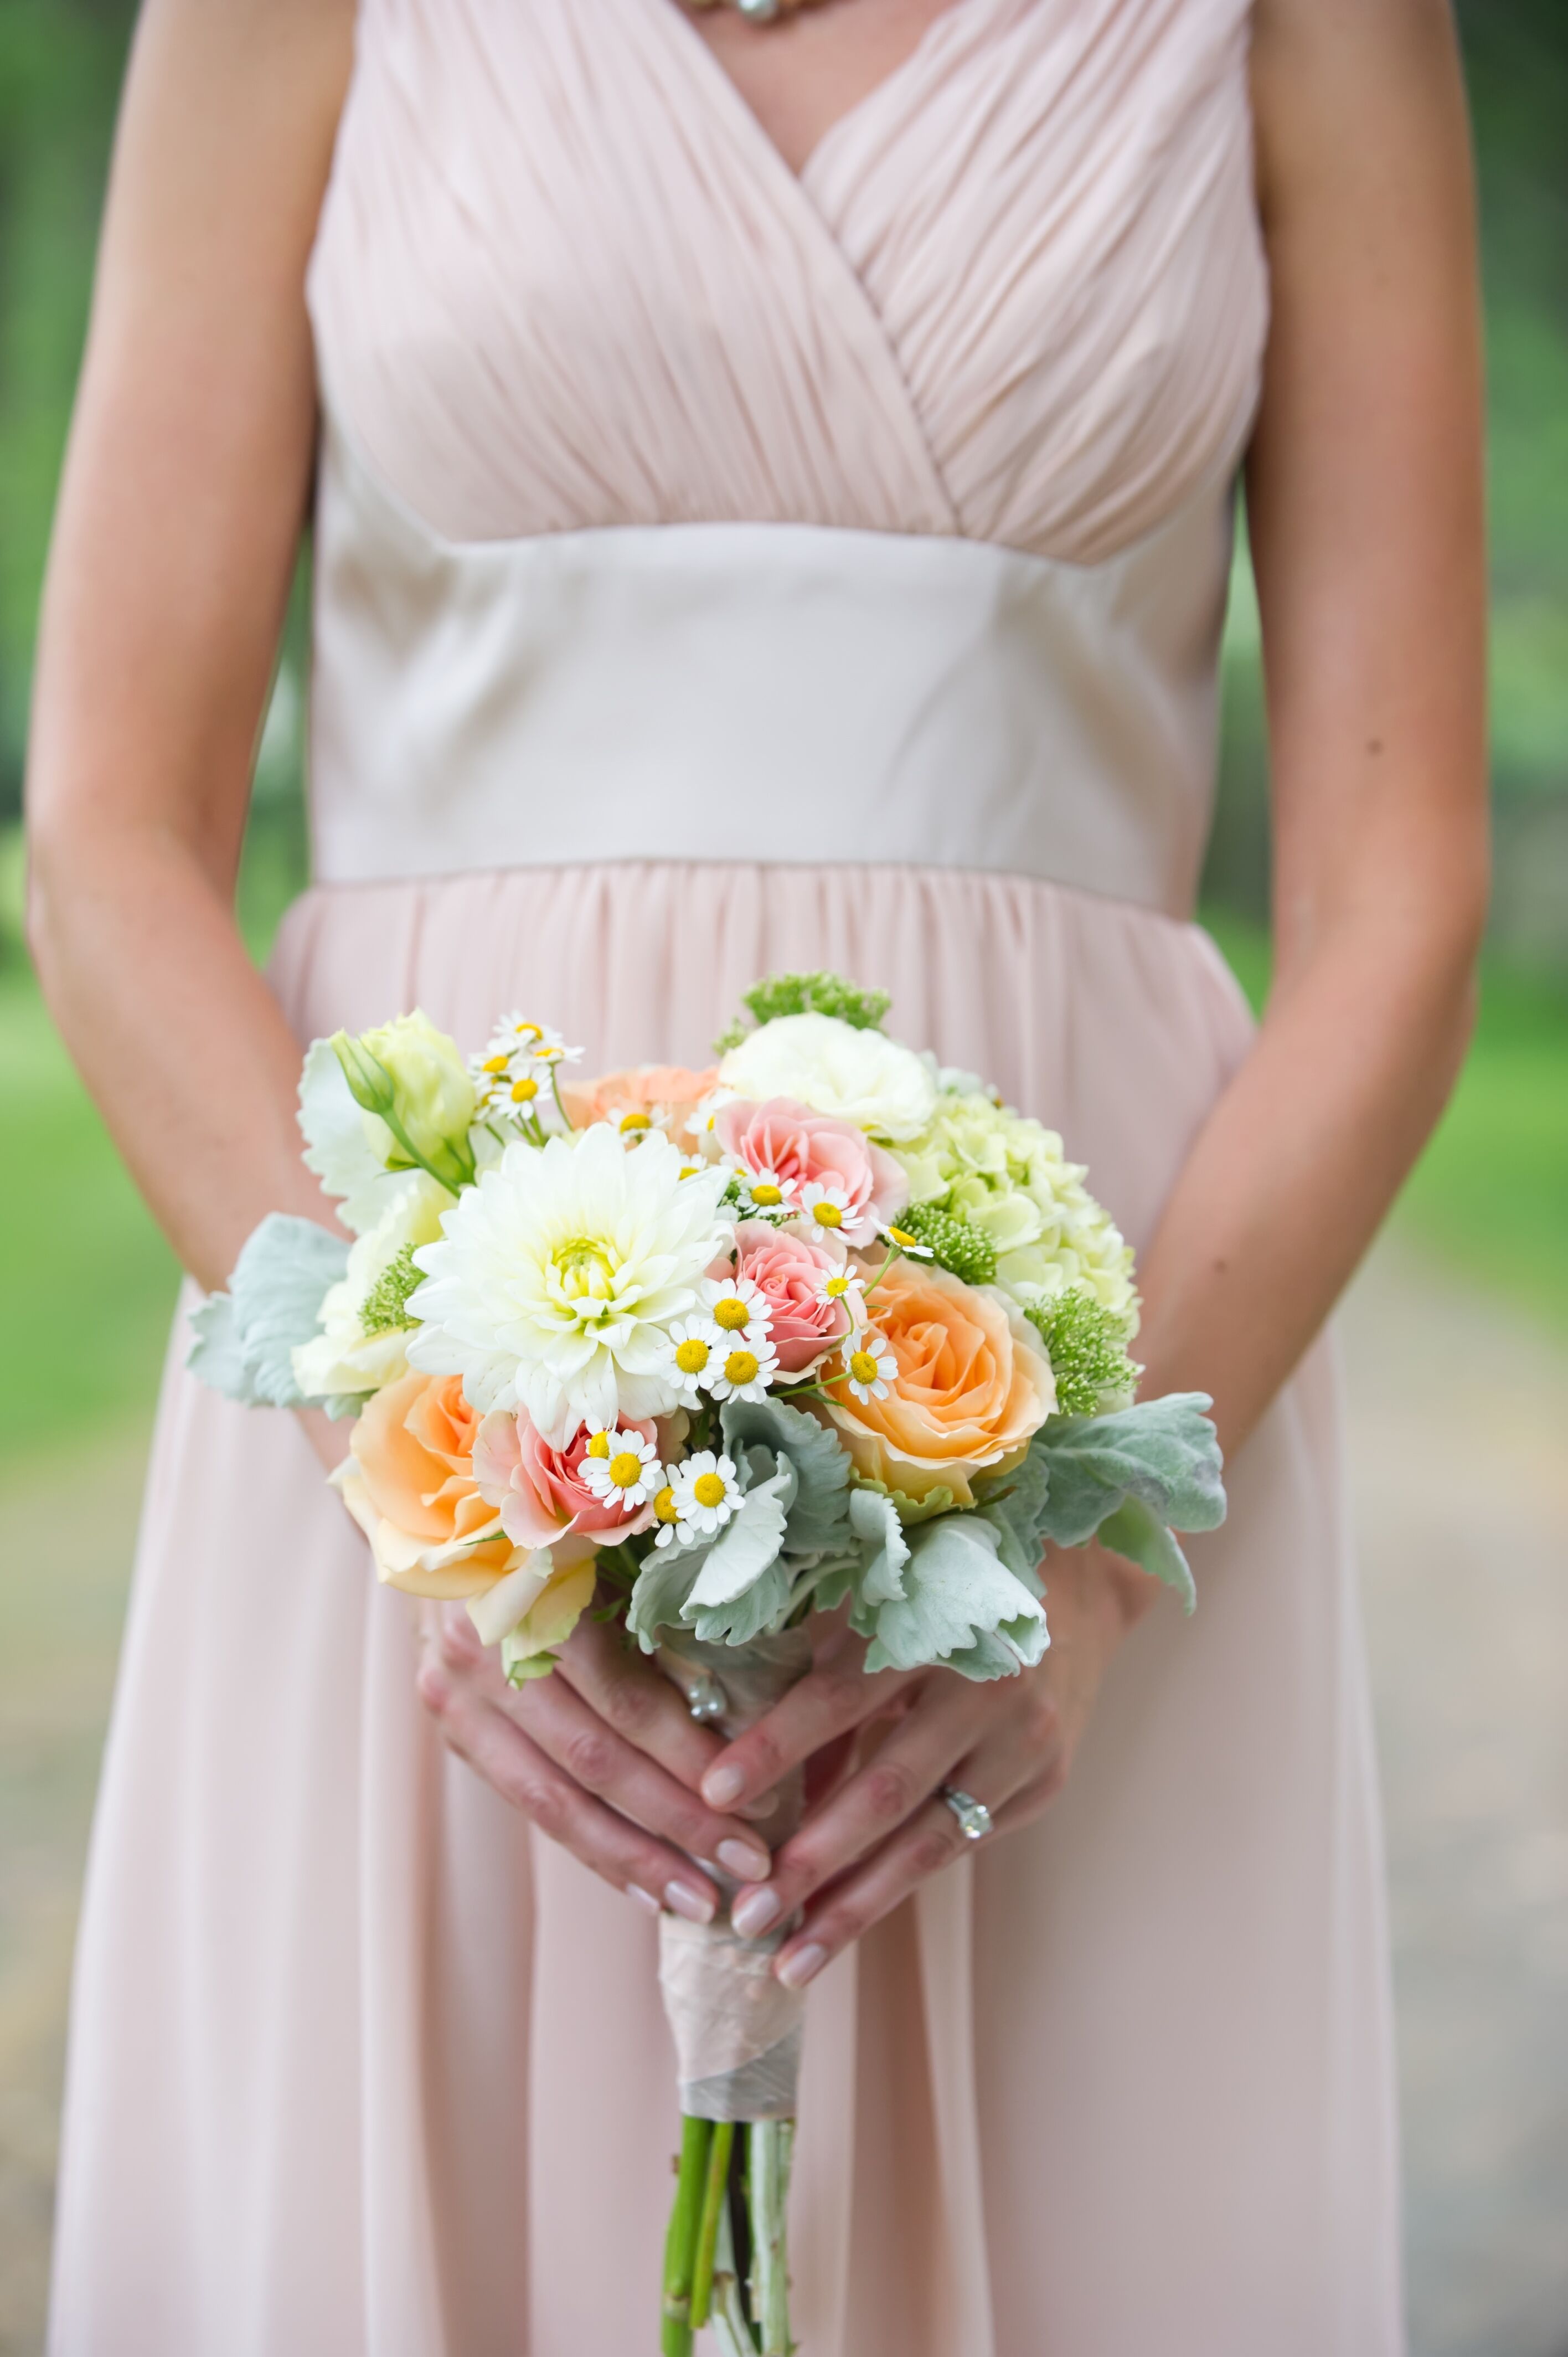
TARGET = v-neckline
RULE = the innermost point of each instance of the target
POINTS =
(686, 32)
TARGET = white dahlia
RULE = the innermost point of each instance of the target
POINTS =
(559, 1275)
(832, 1068)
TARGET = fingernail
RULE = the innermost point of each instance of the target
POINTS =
(763, 1806)
(643, 1898)
(723, 1785)
(696, 1906)
(801, 1965)
(754, 1913)
(745, 1863)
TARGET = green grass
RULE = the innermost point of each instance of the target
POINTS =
(1490, 1193)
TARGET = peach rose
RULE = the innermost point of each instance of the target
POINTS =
(789, 1271)
(784, 1142)
(969, 1390)
(409, 1483)
(645, 1097)
(544, 1499)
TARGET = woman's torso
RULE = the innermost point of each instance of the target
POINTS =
(675, 505)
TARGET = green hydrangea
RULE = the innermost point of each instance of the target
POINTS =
(808, 994)
(956, 1245)
(1087, 1346)
(1006, 1176)
(385, 1307)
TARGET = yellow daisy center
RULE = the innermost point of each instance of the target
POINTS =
(827, 1215)
(902, 1238)
(494, 1064)
(665, 1505)
(708, 1489)
(632, 1121)
(836, 1286)
(691, 1356)
(528, 1031)
(767, 1193)
(863, 1367)
(523, 1092)
(600, 1444)
(625, 1468)
(732, 1315)
(740, 1367)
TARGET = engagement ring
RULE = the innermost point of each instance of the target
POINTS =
(973, 1816)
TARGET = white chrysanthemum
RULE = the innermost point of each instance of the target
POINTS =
(356, 1352)
(559, 1275)
(737, 1307)
(706, 1493)
(743, 1370)
(625, 1470)
(832, 1068)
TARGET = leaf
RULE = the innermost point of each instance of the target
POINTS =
(1143, 1538)
(1014, 1506)
(818, 1512)
(661, 1591)
(956, 1592)
(750, 1542)
(1163, 1452)
(283, 1272)
(737, 1622)
(876, 1525)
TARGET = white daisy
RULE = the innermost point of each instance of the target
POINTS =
(668, 1528)
(737, 1307)
(763, 1191)
(871, 1367)
(706, 1493)
(743, 1369)
(844, 1286)
(625, 1470)
(692, 1346)
(901, 1239)
(824, 1206)
(514, 1072)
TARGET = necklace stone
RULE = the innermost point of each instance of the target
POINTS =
(756, 12)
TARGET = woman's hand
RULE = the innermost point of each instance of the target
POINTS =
(882, 1830)
(602, 1754)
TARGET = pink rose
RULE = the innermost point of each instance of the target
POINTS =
(846, 1186)
(544, 1499)
(789, 1271)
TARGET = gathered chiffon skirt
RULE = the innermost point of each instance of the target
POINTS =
(362, 2068)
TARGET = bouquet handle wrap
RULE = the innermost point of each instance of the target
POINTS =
(737, 2030)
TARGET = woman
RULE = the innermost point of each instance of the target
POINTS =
(772, 495)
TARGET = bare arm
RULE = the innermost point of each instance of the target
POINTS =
(179, 519)
(185, 495)
(1364, 505)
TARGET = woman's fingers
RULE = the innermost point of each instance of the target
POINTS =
(634, 1697)
(496, 1748)
(829, 1700)
(601, 1761)
(1014, 1771)
(863, 1811)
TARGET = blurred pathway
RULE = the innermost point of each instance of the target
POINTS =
(1460, 1447)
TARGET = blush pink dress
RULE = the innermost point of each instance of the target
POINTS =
(718, 570)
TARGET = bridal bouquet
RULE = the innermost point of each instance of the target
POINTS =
(824, 1328)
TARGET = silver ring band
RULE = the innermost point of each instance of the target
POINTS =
(973, 1816)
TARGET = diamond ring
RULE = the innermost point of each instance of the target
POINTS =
(973, 1816)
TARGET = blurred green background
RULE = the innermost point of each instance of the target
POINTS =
(1492, 1192)
(1467, 1597)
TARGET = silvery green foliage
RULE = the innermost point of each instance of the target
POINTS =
(953, 1601)
(245, 1337)
(1130, 1479)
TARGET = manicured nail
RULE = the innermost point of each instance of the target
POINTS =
(754, 1913)
(763, 1806)
(643, 1898)
(744, 1862)
(696, 1906)
(801, 1965)
(723, 1785)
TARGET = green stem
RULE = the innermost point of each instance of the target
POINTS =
(771, 2148)
(713, 2197)
(681, 2242)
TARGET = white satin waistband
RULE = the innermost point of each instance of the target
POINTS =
(759, 693)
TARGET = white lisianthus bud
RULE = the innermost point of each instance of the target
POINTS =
(410, 1076)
